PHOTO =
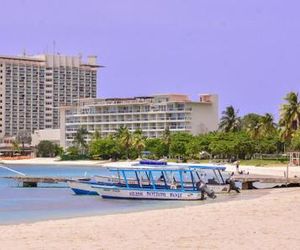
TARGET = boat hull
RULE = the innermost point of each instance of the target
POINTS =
(85, 188)
(124, 193)
(218, 188)
(81, 188)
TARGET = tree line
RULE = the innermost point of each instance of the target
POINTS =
(237, 138)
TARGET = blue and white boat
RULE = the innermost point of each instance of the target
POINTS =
(179, 182)
(83, 186)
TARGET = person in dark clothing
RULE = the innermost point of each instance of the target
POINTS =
(237, 166)
(161, 177)
(231, 183)
(202, 187)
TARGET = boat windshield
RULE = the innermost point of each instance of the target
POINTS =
(183, 179)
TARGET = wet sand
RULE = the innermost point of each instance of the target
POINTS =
(262, 219)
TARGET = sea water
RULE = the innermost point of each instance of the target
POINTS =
(55, 201)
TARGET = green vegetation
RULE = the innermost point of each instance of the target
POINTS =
(230, 122)
(290, 116)
(295, 142)
(264, 162)
(15, 147)
(48, 149)
(23, 137)
(252, 138)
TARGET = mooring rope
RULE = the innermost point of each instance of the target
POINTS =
(12, 170)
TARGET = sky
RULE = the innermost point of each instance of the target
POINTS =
(247, 51)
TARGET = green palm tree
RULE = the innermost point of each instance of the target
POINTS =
(80, 140)
(268, 126)
(254, 129)
(290, 115)
(96, 135)
(24, 137)
(138, 141)
(124, 137)
(230, 122)
(261, 126)
(15, 146)
(167, 135)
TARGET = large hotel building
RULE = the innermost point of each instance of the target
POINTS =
(32, 88)
(52, 96)
(151, 114)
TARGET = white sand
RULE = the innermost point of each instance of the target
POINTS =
(271, 221)
(278, 170)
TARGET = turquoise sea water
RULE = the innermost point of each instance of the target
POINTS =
(53, 201)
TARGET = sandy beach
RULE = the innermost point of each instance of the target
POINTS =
(269, 221)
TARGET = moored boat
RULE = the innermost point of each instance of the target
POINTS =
(81, 187)
(147, 193)
(166, 183)
(211, 175)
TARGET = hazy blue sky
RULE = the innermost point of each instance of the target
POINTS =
(247, 51)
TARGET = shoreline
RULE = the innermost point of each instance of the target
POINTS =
(267, 170)
(268, 221)
(53, 161)
(221, 198)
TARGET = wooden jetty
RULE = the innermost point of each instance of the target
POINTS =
(247, 180)
(32, 181)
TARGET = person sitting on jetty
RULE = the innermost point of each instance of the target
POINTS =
(231, 183)
(237, 166)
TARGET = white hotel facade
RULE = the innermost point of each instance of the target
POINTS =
(151, 114)
(32, 88)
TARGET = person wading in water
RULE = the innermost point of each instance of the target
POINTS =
(202, 187)
(231, 183)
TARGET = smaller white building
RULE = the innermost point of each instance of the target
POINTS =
(151, 114)
(52, 135)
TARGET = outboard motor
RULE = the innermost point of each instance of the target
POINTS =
(202, 187)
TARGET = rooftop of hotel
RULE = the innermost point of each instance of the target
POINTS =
(157, 98)
(91, 60)
(22, 58)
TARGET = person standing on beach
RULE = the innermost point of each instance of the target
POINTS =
(237, 166)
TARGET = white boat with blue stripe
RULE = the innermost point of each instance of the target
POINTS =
(175, 182)
(83, 186)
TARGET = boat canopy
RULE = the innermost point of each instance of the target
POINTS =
(208, 167)
(183, 177)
